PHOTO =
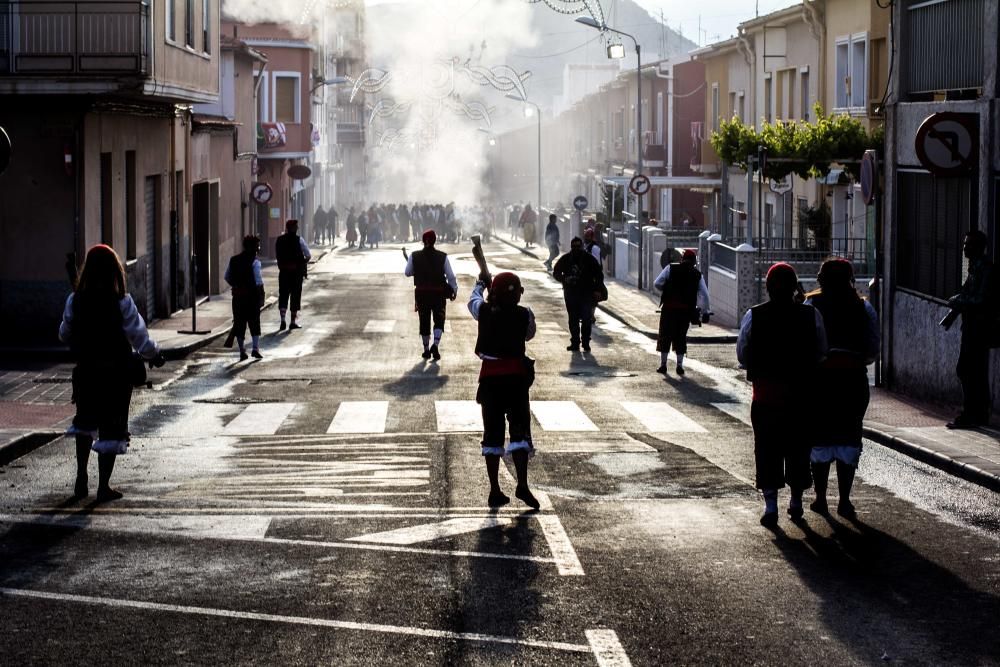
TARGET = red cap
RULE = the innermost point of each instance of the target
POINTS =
(782, 277)
(429, 237)
(505, 282)
(689, 254)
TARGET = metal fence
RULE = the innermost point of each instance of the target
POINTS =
(724, 256)
(807, 261)
(57, 38)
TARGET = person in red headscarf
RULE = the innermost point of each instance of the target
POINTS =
(781, 344)
(504, 378)
(433, 283)
(683, 291)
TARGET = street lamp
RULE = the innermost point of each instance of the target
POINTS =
(591, 23)
(538, 113)
(337, 80)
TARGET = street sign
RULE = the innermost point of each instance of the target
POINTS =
(947, 143)
(782, 186)
(639, 185)
(4, 150)
(262, 193)
(299, 172)
(580, 203)
(868, 177)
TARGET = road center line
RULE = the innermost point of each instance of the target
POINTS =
(300, 620)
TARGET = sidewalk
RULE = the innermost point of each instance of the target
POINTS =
(35, 389)
(906, 425)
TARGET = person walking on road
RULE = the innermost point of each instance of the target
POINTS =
(591, 245)
(505, 376)
(319, 225)
(683, 291)
(851, 326)
(583, 281)
(552, 240)
(527, 223)
(244, 276)
(978, 305)
(433, 283)
(352, 228)
(293, 255)
(781, 344)
(102, 327)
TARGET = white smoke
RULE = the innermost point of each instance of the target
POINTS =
(433, 50)
(297, 15)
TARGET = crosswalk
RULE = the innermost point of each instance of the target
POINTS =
(445, 416)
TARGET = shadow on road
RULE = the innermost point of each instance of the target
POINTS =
(423, 378)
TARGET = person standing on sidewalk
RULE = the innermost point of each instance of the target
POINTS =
(582, 280)
(433, 283)
(683, 291)
(552, 240)
(504, 379)
(978, 305)
(102, 327)
(244, 275)
(781, 344)
(851, 326)
(293, 255)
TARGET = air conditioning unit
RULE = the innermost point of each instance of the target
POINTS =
(875, 109)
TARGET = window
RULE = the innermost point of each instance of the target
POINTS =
(286, 98)
(715, 107)
(767, 97)
(852, 68)
(130, 241)
(171, 20)
(937, 212)
(189, 23)
(804, 94)
(206, 24)
(742, 106)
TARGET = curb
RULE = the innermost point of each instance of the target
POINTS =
(181, 351)
(627, 320)
(969, 473)
(26, 444)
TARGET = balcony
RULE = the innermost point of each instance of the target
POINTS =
(653, 154)
(350, 134)
(51, 38)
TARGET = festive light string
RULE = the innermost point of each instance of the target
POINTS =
(593, 7)
(501, 77)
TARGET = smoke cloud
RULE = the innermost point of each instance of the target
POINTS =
(297, 15)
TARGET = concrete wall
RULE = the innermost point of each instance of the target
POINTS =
(191, 73)
(723, 291)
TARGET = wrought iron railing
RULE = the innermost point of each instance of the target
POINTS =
(808, 260)
(40, 38)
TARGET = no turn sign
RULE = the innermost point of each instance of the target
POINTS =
(262, 193)
(639, 185)
(947, 143)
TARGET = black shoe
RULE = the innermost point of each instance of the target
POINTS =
(819, 506)
(106, 494)
(497, 499)
(769, 519)
(963, 422)
(525, 496)
(846, 509)
(680, 369)
(796, 512)
(243, 356)
(435, 352)
(282, 326)
(426, 354)
(293, 325)
(256, 354)
(662, 370)
(572, 347)
(586, 346)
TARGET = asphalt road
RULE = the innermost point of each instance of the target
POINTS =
(328, 505)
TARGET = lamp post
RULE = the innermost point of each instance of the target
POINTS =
(538, 113)
(589, 22)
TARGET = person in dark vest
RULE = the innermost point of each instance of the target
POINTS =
(331, 223)
(102, 327)
(504, 378)
(244, 276)
(552, 240)
(433, 283)
(978, 305)
(781, 344)
(683, 290)
(852, 337)
(319, 225)
(293, 255)
(582, 280)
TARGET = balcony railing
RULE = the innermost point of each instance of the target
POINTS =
(945, 45)
(39, 38)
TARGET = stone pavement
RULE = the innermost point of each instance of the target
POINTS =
(35, 390)
(906, 425)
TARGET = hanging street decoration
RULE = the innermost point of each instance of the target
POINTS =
(592, 7)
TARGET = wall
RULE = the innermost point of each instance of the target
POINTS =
(179, 70)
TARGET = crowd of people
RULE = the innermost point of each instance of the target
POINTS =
(406, 223)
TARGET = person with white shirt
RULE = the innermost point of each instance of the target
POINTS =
(293, 256)
(243, 274)
(683, 291)
(434, 282)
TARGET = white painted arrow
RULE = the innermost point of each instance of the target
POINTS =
(431, 531)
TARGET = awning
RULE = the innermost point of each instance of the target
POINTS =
(675, 182)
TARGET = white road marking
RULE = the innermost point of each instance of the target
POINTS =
(562, 549)
(215, 526)
(661, 417)
(380, 326)
(544, 503)
(598, 447)
(458, 416)
(360, 417)
(561, 416)
(297, 620)
(740, 411)
(607, 649)
(431, 531)
(259, 419)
